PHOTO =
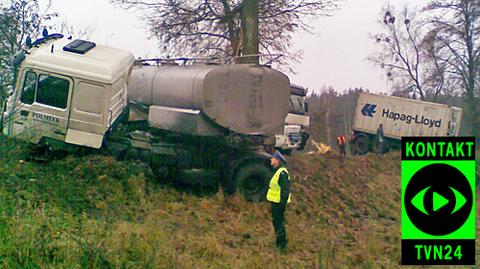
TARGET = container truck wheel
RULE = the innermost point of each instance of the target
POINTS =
(362, 144)
(253, 181)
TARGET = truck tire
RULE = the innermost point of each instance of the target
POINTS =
(253, 180)
(362, 144)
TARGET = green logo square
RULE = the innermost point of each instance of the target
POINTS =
(412, 231)
(438, 200)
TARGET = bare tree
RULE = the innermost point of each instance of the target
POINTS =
(332, 113)
(403, 53)
(220, 27)
(66, 28)
(457, 41)
(18, 19)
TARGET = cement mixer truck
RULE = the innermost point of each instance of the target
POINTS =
(203, 124)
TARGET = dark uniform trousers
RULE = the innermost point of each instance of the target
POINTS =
(278, 219)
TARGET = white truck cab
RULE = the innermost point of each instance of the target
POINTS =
(67, 90)
(297, 121)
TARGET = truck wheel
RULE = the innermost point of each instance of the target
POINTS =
(362, 144)
(253, 181)
(162, 173)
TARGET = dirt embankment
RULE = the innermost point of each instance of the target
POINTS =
(96, 212)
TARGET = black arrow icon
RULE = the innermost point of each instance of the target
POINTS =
(438, 199)
(369, 110)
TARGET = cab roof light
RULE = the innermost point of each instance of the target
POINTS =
(79, 46)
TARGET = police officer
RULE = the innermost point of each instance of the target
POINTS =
(279, 195)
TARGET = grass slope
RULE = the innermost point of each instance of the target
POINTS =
(96, 212)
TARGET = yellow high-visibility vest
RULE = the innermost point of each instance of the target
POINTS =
(273, 194)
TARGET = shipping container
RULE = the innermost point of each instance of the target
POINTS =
(401, 117)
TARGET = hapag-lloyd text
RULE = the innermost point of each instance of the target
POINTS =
(410, 118)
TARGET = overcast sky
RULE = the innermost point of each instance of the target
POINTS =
(336, 57)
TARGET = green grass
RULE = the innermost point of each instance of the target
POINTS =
(96, 212)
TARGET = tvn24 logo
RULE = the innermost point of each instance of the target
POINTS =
(370, 109)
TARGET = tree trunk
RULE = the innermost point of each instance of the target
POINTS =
(249, 18)
(327, 124)
(472, 109)
(472, 62)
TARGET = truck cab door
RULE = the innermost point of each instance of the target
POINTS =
(42, 107)
(18, 107)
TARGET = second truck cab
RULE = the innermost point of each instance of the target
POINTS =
(297, 121)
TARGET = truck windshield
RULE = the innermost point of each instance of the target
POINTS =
(297, 104)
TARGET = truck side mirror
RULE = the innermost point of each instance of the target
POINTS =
(306, 107)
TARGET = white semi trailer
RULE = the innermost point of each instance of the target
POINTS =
(200, 123)
(401, 117)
